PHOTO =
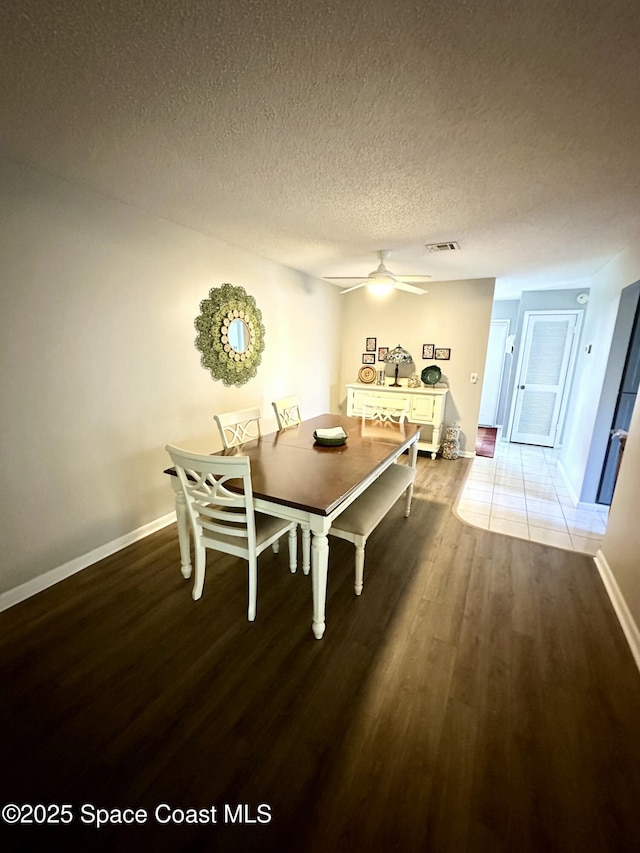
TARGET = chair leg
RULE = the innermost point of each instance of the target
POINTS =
(293, 549)
(359, 568)
(276, 546)
(184, 537)
(306, 548)
(253, 588)
(200, 562)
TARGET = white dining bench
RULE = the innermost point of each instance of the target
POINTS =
(361, 517)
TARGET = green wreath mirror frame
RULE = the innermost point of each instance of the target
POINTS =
(230, 334)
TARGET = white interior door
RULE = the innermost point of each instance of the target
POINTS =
(546, 354)
(493, 373)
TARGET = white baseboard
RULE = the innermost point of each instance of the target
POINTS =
(26, 590)
(591, 507)
(623, 613)
(574, 498)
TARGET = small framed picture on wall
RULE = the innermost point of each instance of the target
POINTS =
(368, 358)
(427, 350)
(442, 354)
(382, 351)
(371, 344)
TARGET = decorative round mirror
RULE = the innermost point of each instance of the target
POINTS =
(239, 335)
(230, 334)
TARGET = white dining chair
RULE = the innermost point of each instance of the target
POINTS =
(225, 520)
(386, 411)
(238, 427)
(287, 412)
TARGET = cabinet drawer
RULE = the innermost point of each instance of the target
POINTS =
(357, 400)
(389, 401)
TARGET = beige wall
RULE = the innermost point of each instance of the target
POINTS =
(99, 368)
(621, 545)
(454, 314)
(597, 332)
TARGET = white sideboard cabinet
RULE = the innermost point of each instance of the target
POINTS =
(425, 406)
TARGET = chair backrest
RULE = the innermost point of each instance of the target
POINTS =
(287, 412)
(238, 427)
(386, 411)
(216, 513)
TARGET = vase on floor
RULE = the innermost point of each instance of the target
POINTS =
(450, 447)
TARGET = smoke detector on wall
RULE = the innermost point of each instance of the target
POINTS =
(447, 246)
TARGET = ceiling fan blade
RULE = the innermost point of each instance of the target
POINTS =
(349, 289)
(413, 277)
(401, 285)
(382, 277)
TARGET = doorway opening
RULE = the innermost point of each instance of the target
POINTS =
(494, 368)
(486, 441)
(627, 395)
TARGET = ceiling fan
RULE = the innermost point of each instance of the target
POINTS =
(384, 278)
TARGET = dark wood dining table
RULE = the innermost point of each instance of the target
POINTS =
(294, 477)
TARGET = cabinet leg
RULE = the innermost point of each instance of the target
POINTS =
(435, 440)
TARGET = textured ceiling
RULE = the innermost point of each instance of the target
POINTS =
(315, 133)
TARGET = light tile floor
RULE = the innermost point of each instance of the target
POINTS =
(521, 492)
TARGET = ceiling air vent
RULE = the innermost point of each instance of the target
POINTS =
(449, 246)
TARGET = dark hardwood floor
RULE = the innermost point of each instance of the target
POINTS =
(478, 696)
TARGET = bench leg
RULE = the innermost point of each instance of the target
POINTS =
(359, 568)
(407, 506)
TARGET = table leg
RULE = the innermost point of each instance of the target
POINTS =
(319, 571)
(184, 539)
(413, 454)
(413, 460)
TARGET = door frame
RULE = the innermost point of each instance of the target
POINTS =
(579, 314)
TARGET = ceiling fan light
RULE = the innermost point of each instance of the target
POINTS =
(380, 288)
